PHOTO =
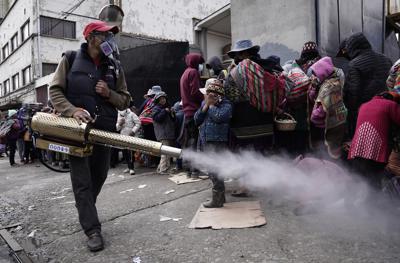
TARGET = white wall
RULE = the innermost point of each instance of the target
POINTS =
(22, 57)
(215, 44)
(169, 19)
(52, 48)
(279, 27)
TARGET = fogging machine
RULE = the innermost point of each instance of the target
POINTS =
(66, 135)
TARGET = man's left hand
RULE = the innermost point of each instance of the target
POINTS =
(102, 89)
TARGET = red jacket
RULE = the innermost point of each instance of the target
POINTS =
(190, 85)
(371, 139)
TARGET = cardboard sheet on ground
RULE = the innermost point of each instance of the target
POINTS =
(181, 178)
(232, 215)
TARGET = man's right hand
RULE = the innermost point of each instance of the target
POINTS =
(82, 116)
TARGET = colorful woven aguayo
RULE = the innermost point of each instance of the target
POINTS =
(264, 90)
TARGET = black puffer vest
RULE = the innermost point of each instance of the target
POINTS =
(81, 82)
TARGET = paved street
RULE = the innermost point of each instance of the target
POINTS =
(42, 201)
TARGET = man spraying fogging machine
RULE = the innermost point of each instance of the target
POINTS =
(87, 89)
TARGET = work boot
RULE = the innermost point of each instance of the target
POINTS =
(217, 200)
(95, 242)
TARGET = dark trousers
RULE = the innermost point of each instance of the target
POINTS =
(29, 151)
(12, 144)
(114, 157)
(218, 183)
(372, 171)
(88, 175)
(127, 154)
(191, 134)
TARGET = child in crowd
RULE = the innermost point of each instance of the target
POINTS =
(213, 118)
(147, 122)
(128, 123)
(164, 127)
(329, 112)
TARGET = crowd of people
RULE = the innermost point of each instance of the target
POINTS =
(349, 116)
(340, 116)
(16, 139)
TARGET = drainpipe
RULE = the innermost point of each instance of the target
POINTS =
(384, 25)
(38, 47)
(316, 6)
(38, 38)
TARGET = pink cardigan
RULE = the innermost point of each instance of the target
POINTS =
(371, 139)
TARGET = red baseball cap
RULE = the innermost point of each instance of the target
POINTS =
(99, 26)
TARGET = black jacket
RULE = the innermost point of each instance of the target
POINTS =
(81, 81)
(366, 76)
(367, 72)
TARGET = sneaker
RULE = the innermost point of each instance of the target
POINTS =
(95, 242)
(126, 170)
(131, 172)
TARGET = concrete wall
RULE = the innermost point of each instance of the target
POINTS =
(169, 19)
(279, 27)
(215, 44)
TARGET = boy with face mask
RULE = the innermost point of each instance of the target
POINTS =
(164, 127)
(213, 118)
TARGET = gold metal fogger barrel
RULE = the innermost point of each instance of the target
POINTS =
(69, 129)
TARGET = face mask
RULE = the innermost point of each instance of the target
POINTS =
(212, 73)
(109, 46)
(200, 68)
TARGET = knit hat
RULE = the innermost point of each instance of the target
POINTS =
(213, 85)
(309, 51)
(309, 46)
(323, 68)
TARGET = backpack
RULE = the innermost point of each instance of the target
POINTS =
(297, 85)
(70, 55)
(275, 87)
(264, 90)
(146, 115)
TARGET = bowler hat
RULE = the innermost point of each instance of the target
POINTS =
(242, 45)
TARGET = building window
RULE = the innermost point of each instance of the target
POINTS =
(57, 27)
(14, 42)
(15, 81)
(26, 76)
(25, 32)
(48, 68)
(6, 86)
(6, 51)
